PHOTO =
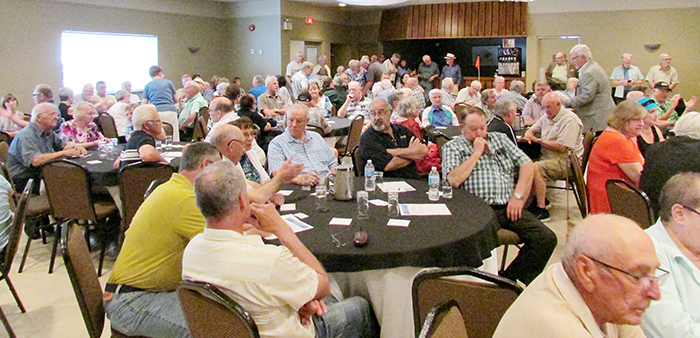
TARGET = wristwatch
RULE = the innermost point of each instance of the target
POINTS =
(517, 195)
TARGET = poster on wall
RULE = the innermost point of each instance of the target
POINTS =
(488, 54)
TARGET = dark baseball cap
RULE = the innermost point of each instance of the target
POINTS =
(662, 85)
(304, 97)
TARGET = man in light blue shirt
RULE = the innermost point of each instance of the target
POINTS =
(676, 238)
(302, 146)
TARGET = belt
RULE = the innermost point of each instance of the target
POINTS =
(121, 288)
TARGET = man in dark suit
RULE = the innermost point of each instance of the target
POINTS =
(593, 101)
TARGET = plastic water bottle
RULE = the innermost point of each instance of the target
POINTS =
(433, 184)
(370, 183)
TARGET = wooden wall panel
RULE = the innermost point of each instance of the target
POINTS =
(455, 20)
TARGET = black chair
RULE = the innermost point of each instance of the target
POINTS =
(134, 180)
(628, 201)
(152, 187)
(109, 128)
(444, 321)
(482, 303)
(346, 144)
(68, 187)
(356, 161)
(210, 313)
(84, 280)
(200, 129)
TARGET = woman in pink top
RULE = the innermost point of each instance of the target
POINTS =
(615, 155)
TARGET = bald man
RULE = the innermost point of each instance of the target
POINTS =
(605, 281)
(559, 130)
(560, 69)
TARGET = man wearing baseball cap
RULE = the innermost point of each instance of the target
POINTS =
(669, 108)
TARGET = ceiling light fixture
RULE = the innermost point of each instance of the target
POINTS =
(342, 4)
(373, 2)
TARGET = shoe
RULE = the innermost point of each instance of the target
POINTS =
(547, 203)
(542, 214)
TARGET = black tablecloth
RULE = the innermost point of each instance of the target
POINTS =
(103, 173)
(464, 239)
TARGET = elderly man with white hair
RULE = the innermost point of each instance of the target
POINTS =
(515, 94)
(37, 144)
(270, 103)
(593, 102)
(448, 86)
(355, 103)
(300, 80)
(118, 111)
(195, 102)
(259, 87)
(428, 71)
(417, 92)
(438, 114)
(670, 157)
(607, 277)
(663, 72)
(676, 238)
(294, 66)
(624, 76)
(470, 95)
(142, 143)
(133, 98)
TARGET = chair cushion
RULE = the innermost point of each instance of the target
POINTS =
(37, 205)
(508, 237)
(105, 209)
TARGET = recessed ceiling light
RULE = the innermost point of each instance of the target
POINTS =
(342, 4)
(373, 2)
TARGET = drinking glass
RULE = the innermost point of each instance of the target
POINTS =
(446, 189)
(321, 198)
(362, 204)
(393, 206)
(379, 179)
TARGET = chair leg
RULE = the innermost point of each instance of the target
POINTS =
(55, 246)
(14, 294)
(503, 260)
(24, 255)
(7, 324)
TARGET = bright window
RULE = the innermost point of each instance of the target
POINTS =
(88, 57)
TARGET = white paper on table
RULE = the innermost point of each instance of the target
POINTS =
(330, 121)
(379, 203)
(301, 215)
(288, 207)
(294, 223)
(399, 186)
(427, 209)
(441, 127)
(398, 223)
(340, 221)
(172, 154)
(285, 192)
(94, 162)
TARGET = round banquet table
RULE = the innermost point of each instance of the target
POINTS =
(465, 238)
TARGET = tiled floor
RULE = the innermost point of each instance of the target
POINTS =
(52, 310)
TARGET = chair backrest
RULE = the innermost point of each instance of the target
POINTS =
(5, 137)
(354, 133)
(17, 223)
(4, 147)
(482, 303)
(200, 129)
(68, 189)
(440, 140)
(109, 128)
(210, 313)
(589, 139)
(356, 161)
(204, 112)
(83, 278)
(444, 321)
(578, 184)
(628, 201)
(134, 180)
(168, 128)
(152, 187)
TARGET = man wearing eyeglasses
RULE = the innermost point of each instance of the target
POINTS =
(392, 148)
(663, 72)
(142, 144)
(676, 238)
(608, 275)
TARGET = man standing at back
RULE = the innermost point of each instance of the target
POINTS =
(140, 297)
(593, 101)
(663, 72)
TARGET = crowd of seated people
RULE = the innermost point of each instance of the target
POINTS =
(639, 137)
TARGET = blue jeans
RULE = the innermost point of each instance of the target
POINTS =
(349, 318)
(152, 314)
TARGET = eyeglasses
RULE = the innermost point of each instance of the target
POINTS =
(379, 113)
(155, 121)
(644, 281)
(691, 209)
(234, 140)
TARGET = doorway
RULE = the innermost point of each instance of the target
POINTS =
(549, 46)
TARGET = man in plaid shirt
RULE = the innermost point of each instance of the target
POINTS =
(484, 164)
